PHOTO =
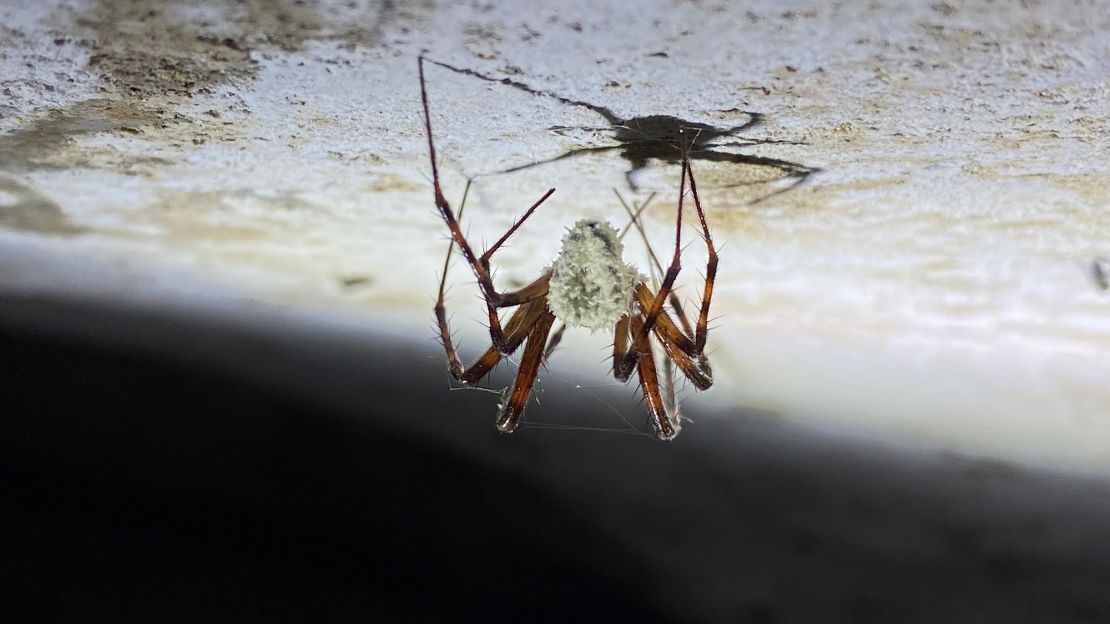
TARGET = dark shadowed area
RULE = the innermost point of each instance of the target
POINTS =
(212, 467)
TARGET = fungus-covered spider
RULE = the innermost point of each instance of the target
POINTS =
(588, 285)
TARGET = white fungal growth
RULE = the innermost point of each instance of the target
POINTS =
(591, 286)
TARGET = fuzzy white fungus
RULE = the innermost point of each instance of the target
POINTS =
(591, 286)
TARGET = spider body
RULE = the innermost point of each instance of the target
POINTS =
(588, 285)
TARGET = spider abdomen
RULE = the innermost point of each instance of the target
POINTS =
(591, 286)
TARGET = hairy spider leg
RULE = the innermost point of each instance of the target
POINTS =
(480, 266)
(665, 414)
(656, 270)
(513, 407)
(656, 265)
(687, 348)
(556, 338)
(651, 313)
(665, 429)
(679, 346)
(656, 274)
(710, 268)
(516, 330)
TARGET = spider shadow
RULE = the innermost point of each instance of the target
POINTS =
(661, 138)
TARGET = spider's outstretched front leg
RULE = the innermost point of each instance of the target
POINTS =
(479, 264)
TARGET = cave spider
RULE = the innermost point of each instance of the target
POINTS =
(588, 285)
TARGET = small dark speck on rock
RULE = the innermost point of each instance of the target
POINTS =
(353, 281)
(1100, 272)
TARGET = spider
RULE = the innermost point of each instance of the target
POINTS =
(642, 139)
(588, 285)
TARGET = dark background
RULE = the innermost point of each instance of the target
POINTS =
(215, 466)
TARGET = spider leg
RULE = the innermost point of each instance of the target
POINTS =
(532, 292)
(620, 349)
(651, 312)
(513, 406)
(710, 267)
(453, 362)
(479, 266)
(685, 348)
(657, 266)
(665, 429)
(633, 216)
(516, 330)
(680, 347)
(669, 390)
(556, 338)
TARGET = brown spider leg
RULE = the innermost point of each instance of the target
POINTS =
(710, 267)
(530, 362)
(620, 349)
(493, 298)
(635, 221)
(633, 216)
(649, 381)
(651, 313)
(528, 294)
(453, 362)
(698, 336)
(668, 364)
(679, 345)
(516, 330)
(556, 338)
